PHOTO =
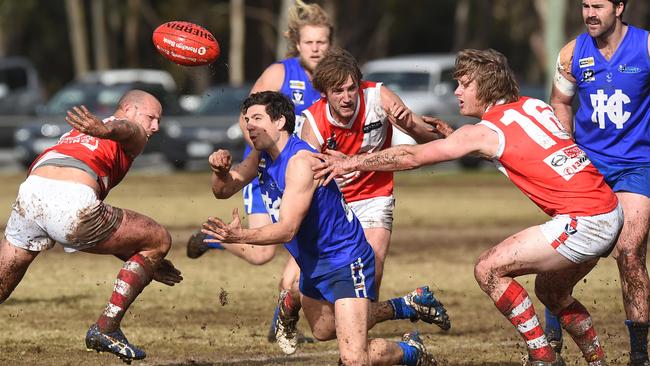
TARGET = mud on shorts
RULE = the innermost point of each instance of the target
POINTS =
(356, 280)
(581, 238)
(374, 212)
(48, 211)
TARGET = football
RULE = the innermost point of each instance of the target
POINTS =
(186, 43)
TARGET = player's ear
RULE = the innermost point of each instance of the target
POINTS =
(281, 122)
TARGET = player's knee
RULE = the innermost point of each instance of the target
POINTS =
(630, 258)
(163, 241)
(323, 335)
(483, 273)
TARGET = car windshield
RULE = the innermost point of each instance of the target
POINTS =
(402, 81)
(99, 99)
(220, 101)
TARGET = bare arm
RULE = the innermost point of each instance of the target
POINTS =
(226, 181)
(131, 136)
(296, 200)
(562, 92)
(465, 140)
(404, 119)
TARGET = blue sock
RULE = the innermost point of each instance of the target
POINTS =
(638, 340)
(275, 317)
(400, 309)
(553, 329)
(410, 357)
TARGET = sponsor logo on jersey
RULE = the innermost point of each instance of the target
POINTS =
(331, 142)
(586, 62)
(568, 161)
(297, 84)
(629, 69)
(372, 126)
(588, 76)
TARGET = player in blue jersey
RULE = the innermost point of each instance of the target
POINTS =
(309, 36)
(322, 234)
(608, 69)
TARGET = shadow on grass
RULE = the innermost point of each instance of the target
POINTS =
(59, 300)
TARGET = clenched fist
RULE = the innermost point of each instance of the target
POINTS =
(220, 161)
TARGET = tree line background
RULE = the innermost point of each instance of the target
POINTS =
(65, 38)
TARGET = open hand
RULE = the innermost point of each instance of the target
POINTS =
(441, 127)
(222, 232)
(87, 123)
(332, 165)
(167, 274)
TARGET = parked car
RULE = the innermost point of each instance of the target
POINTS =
(20, 87)
(20, 95)
(214, 125)
(426, 85)
(100, 97)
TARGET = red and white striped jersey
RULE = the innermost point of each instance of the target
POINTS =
(105, 157)
(544, 162)
(368, 131)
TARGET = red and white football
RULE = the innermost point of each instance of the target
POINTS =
(186, 43)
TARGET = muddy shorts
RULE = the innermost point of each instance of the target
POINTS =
(581, 238)
(374, 212)
(48, 211)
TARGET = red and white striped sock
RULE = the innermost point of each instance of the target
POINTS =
(134, 276)
(518, 308)
(575, 319)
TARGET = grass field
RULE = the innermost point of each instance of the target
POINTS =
(219, 314)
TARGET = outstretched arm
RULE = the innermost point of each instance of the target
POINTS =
(296, 200)
(467, 139)
(130, 135)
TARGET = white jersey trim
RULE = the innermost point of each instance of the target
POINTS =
(502, 137)
(312, 122)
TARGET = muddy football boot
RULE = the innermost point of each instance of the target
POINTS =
(558, 362)
(286, 332)
(113, 342)
(427, 308)
(424, 358)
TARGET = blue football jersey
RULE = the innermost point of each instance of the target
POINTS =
(297, 85)
(612, 124)
(330, 236)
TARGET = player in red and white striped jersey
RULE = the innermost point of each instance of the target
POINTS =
(62, 201)
(528, 144)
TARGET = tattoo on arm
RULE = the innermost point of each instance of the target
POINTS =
(387, 160)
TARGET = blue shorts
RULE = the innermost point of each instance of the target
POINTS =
(253, 203)
(356, 280)
(625, 178)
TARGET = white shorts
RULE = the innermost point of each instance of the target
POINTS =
(375, 212)
(48, 211)
(581, 238)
